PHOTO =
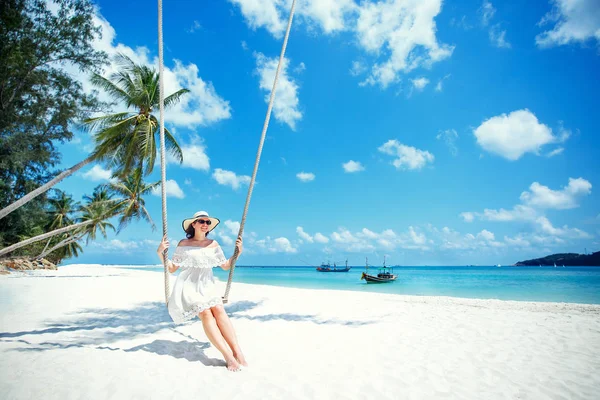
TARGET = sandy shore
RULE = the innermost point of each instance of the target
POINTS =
(93, 332)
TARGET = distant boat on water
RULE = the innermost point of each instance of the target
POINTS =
(498, 265)
(386, 274)
(328, 268)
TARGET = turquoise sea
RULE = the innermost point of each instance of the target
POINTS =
(570, 284)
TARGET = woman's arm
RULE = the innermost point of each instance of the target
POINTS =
(164, 245)
(227, 264)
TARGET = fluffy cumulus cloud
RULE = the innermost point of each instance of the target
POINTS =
(518, 213)
(194, 155)
(513, 135)
(303, 235)
(172, 189)
(404, 30)
(400, 35)
(285, 106)
(535, 201)
(543, 197)
(202, 106)
(97, 174)
(406, 157)
(230, 231)
(278, 245)
(419, 83)
(327, 15)
(305, 176)
(352, 166)
(367, 240)
(572, 21)
(320, 238)
(229, 178)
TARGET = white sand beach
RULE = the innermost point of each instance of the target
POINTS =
(96, 332)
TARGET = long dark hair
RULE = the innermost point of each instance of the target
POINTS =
(190, 231)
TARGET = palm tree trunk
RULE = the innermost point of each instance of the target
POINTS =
(65, 242)
(34, 193)
(44, 236)
(47, 244)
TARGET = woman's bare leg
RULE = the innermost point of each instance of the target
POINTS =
(216, 338)
(228, 333)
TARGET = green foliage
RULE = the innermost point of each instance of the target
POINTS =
(127, 140)
(39, 101)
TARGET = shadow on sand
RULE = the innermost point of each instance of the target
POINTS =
(100, 327)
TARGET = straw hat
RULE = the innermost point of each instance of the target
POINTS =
(200, 214)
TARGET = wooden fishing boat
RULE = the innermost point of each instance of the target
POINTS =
(328, 268)
(385, 274)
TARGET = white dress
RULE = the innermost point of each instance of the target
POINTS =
(195, 289)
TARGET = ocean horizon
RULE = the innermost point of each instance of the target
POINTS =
(543, 284)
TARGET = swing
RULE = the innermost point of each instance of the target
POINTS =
(162, 150)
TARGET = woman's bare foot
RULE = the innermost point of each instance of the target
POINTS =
(232, 364)
(240, 358)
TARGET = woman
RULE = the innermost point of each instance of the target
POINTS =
(195, 291)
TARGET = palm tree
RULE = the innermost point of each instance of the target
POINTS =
(128, 139)
(124, 140)
(99, 208)
(61, 208)
(131, 204)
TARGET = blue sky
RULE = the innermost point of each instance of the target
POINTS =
(436, 133)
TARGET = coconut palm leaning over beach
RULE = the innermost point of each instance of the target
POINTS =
(129, 205)
(125, 140)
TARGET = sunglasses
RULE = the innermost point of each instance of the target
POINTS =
(203, 221)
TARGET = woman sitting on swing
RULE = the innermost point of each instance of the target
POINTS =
(195, 291)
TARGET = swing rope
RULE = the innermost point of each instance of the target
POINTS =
(256, 162)
(258, 153)
(163, 170)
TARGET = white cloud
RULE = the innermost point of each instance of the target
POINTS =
(498, 37)
(576, 21)
(496, 34)
(468, 216)
(233, 227)
(555, 152)
(278, 245)
(306, 176)
(404, 32)
(486, 235)
(300, 68)
(229, 178)
(418, 238)
(303, 234)
(226, 240)
(328, 15)
(420, 83)
(440, 85)
(285, 106)
(196, 26)
(408, 157)
(320, 238)
(172, 188)
(403, 29)
(449, 136)
(358, 68)
(487, 12)
(352, 166)
(244, 45)
(546, 227)
(544, 197)
(513, 135)
(202, 106)
(194, 156)
(97, 174)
